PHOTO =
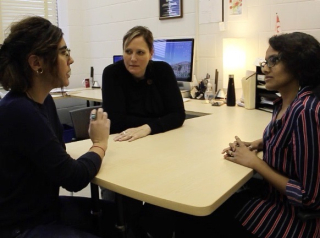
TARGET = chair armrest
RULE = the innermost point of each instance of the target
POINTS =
(308, 214)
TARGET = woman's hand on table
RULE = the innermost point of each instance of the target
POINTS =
(243, 153)
(132, 134)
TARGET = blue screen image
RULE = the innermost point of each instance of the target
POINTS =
(178, 53)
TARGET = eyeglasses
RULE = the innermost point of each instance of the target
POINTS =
(65, 51)
(271, 61)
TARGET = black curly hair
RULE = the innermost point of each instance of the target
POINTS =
(300, 54)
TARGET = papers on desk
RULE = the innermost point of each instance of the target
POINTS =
(264, 100)
(261, 86)
(185, 99)
(59, 90)
(56, 95)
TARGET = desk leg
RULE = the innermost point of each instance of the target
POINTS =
(94, 103)
(120, 219)
(96, 210)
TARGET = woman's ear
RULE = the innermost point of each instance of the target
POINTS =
(34, 62)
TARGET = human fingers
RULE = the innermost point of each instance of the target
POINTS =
(225, 150)
(233, 146)
(228, 152)
(135, 136)
(105, 115)
(248, 144)
(119, 137)
(140, 132)
(230, 158)
(239, 142)
(99, 114)
(99, 127)
(123, 136)
(116, 138)
(93, 114)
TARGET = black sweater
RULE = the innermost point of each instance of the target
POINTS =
(155, 100)
(34, 162)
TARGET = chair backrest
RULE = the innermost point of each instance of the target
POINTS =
(80, 119)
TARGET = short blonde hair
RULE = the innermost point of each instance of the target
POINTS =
(136, 32)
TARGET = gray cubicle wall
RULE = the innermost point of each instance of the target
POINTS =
(65, 105)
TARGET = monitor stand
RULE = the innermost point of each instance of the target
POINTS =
(185, 88)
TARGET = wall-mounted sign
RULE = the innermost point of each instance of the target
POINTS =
(170, 9)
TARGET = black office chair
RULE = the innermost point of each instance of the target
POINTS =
(80, 119)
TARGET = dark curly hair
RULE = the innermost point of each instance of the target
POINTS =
(32, 35)
(300, 54)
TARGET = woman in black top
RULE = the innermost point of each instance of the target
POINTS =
(34, 163)
(141, 96)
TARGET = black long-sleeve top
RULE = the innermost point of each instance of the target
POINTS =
(156, 100)
(34, 162)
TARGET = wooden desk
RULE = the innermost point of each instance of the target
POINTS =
(197, 106)
(182, 169)
(88, 94)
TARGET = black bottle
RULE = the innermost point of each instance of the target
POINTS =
(231, 94)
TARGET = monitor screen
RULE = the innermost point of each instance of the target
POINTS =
(117, 58)
(178, 53)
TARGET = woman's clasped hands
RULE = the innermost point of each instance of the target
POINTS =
(243, 153)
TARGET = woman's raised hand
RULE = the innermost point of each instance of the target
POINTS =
(99, 128)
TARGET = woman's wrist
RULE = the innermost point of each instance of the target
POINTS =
(99, 149)
(147, 128)
(257, 164)
(102, 145)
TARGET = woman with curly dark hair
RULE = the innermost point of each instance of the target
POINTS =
(290, 143)
(34, 59)
(290, 167)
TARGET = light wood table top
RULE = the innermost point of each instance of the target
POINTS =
(91, 94)
(182, 169)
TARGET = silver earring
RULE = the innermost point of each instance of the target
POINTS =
(40, 71)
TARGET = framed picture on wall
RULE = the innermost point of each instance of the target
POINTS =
(170, 9)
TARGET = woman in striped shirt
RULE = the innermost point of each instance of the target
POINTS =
(291, 155)
(290, 143)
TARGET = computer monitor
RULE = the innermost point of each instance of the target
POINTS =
(179, 54)
(116, 58)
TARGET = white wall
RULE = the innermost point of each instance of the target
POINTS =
(94, 30)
